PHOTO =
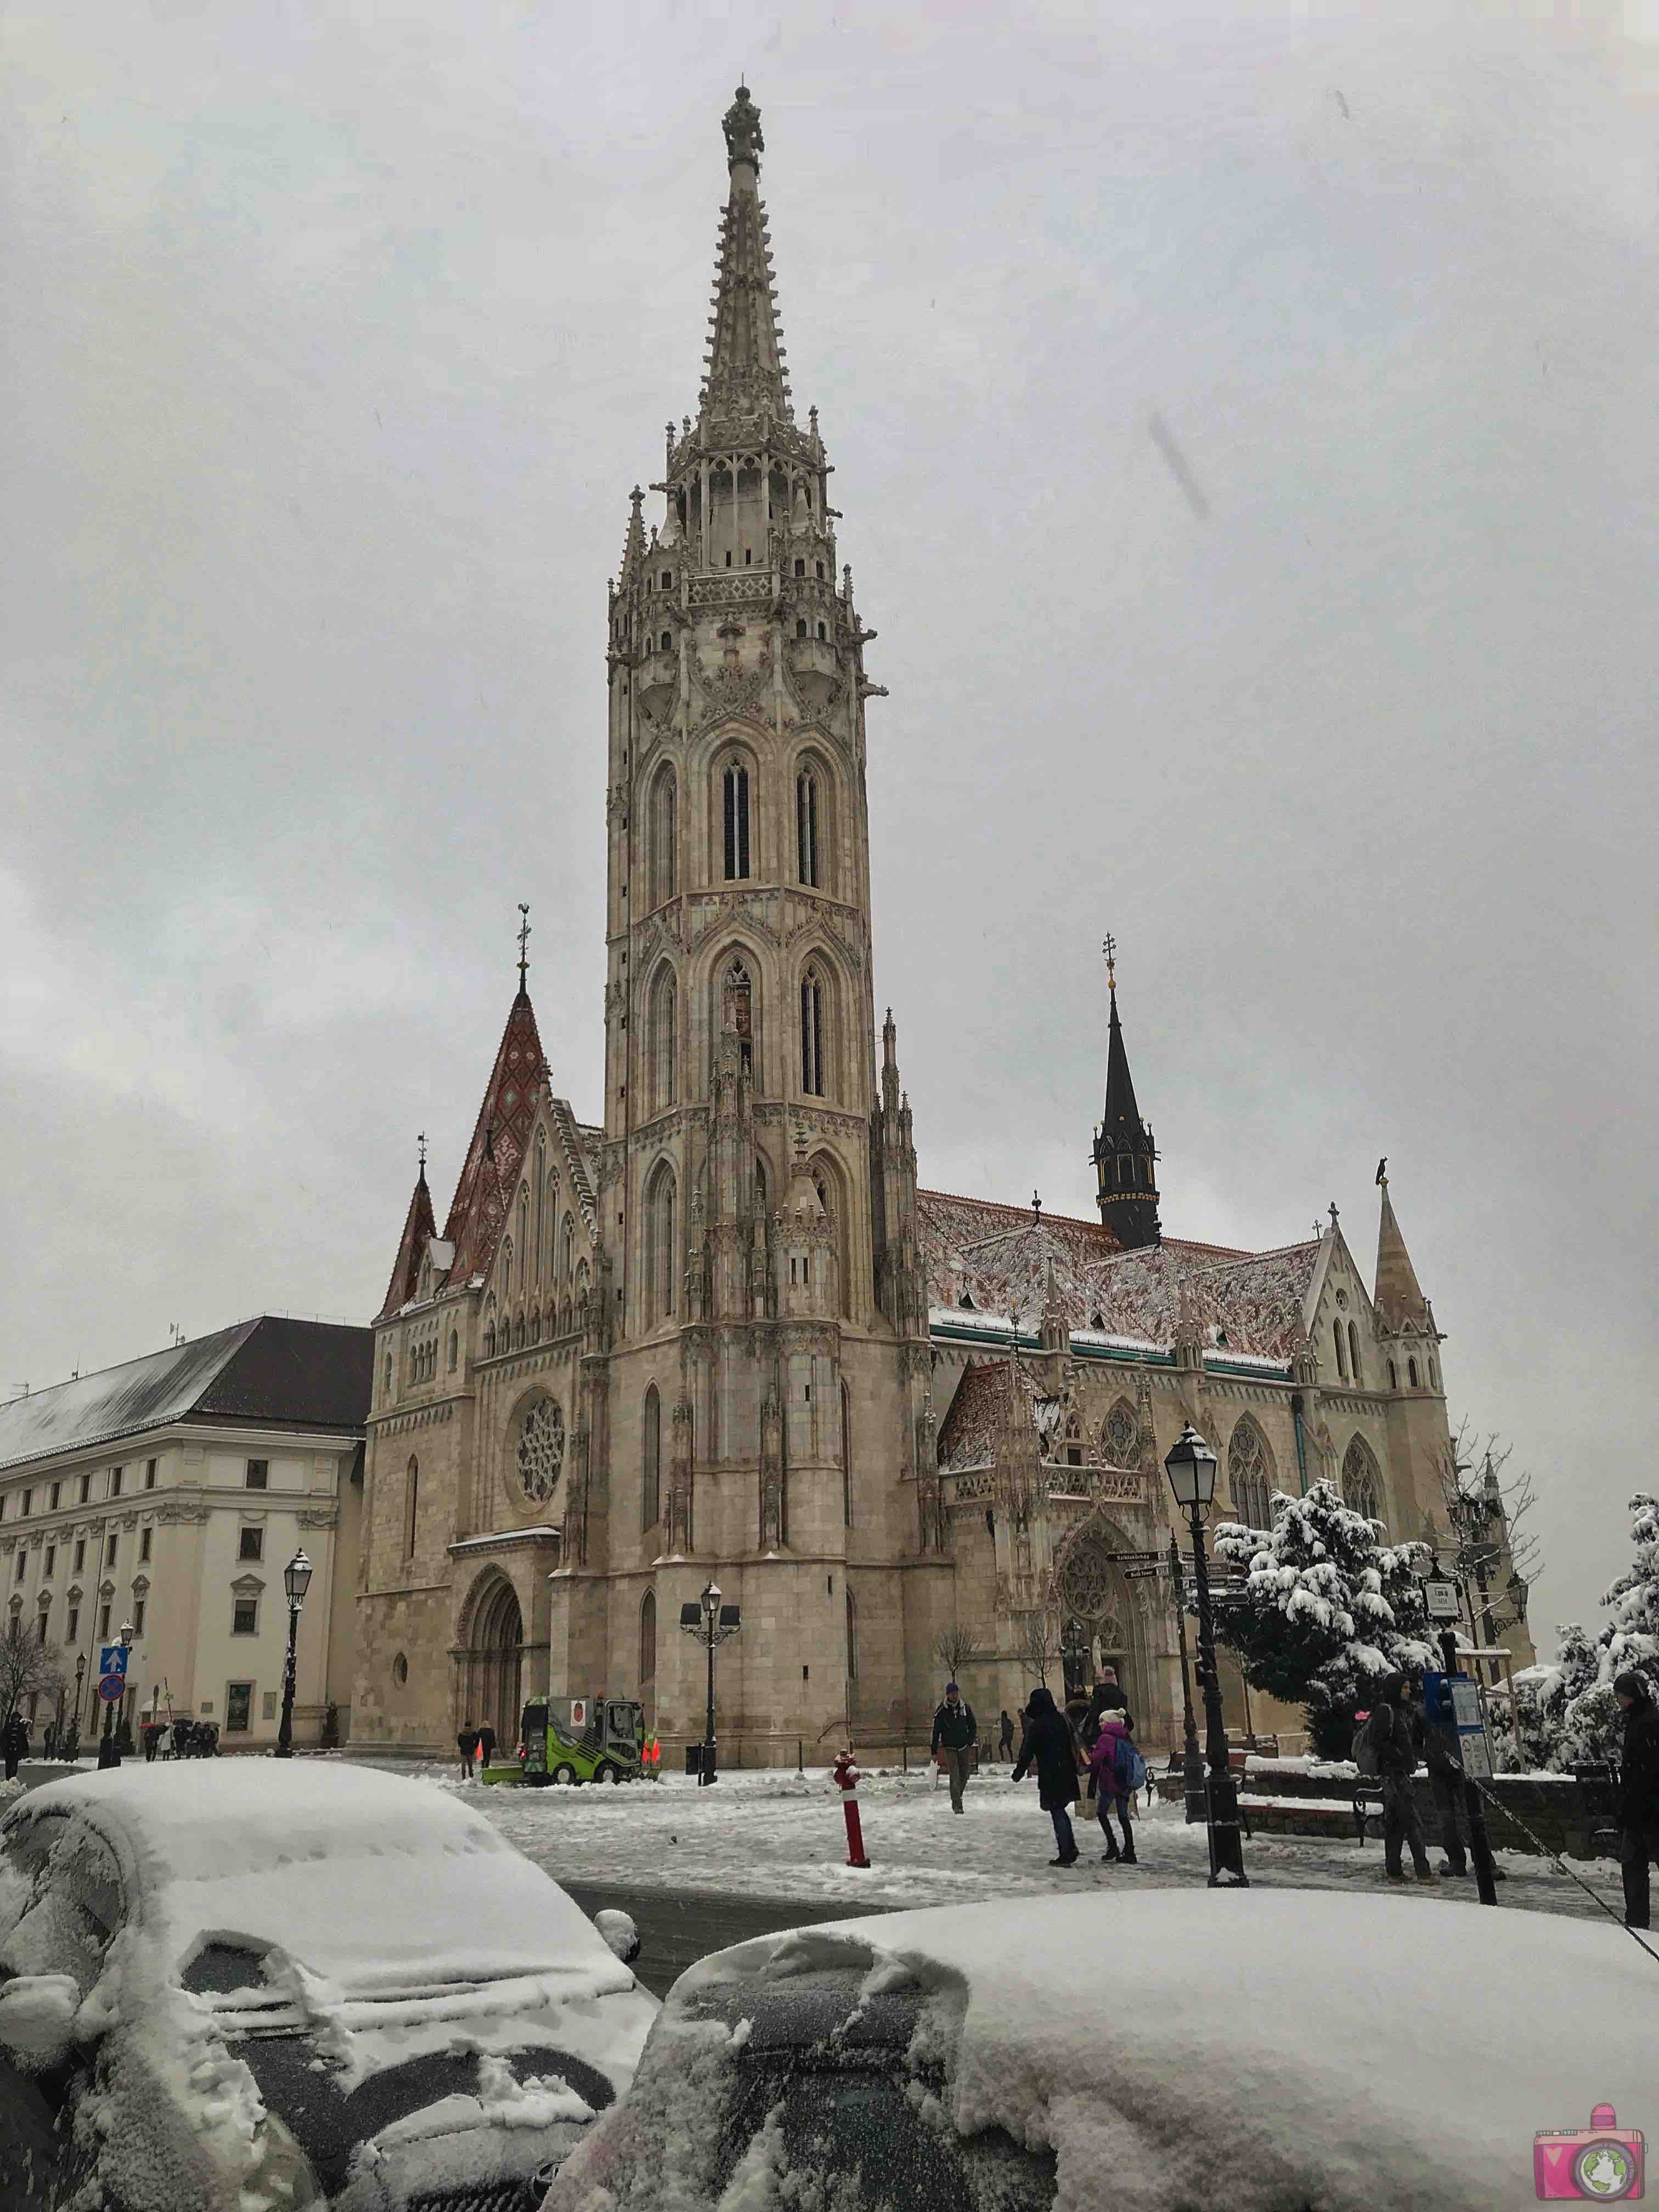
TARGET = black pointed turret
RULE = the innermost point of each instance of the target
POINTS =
(1124, 1155)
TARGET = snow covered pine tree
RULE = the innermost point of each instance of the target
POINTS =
(1592, 1726)
(1326, 1610)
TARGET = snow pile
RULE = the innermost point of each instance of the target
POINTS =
(36, 2015)
(1293, 2055)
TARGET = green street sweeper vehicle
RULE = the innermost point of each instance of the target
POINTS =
(580, 1740)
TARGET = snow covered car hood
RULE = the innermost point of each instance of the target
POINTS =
(372, 1916)
(1263, 2050)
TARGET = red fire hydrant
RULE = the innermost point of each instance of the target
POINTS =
(846, 1777)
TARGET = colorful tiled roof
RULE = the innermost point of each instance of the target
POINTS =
(479, 1207)
(979, 1413)
(999, 1256)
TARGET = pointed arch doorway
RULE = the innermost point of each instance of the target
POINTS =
(493, 1663)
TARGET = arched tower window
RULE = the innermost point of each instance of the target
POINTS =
(1341, 1342)
(664, 1042)
(648, 1646)
(567, 1247)
(811, 1033)
(412, 1504)
(1362, 1479)
(1411, 1369)
(660, 1269)
(734, 796)
(1072, 1440)
(1394, 1377)
(1354, 1368)
(1120, 1436)
(806, 827)
(1249, 1475)
(454, 1350)
(523, 1236)
(651, 1462)
(665, 852)
(737, 1009)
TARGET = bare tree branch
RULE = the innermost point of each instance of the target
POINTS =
(955, 1648)
(27, 1667)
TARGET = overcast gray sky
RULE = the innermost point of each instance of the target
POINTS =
(334, 338)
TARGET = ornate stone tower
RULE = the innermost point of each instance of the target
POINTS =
(766, 1377)
(1124, 1154)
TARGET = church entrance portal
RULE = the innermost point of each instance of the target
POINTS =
(492, 1666)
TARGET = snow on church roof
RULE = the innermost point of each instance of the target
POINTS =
(997, 1256)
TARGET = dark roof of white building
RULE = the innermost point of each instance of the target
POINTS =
(269, 1371)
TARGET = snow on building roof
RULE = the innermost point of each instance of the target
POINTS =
(997, 1257)
(291, 1374)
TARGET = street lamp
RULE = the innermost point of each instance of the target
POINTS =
(109, 1753)
(1191, 1467)
(296, 1581)
(711, 1623)
(1192, 1759)
(80, 1680)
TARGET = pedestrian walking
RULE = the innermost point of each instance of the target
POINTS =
(1440, 1756)
(1111, 1781)
(1638, 1801)
(486, 1745)
(151, 1733)
(15, 1742)
(1004, 1736)
(955, 1731)
(1398, 1728)
(1050, 1747)
(49, 1740)
(466, 1742)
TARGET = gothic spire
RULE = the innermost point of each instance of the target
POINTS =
(1124, 1152)
(477, 1213)
(1399, 1301)
(419, 1230)
(744, 374)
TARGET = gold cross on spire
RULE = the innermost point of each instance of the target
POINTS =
(524, 942)
(1109, 948)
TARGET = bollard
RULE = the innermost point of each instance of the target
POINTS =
(846, 1776)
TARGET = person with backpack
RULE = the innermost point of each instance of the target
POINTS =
(466, 1742)
(955, 1730)
(1394, 1732)
(1638, 1801)
(1116, 1771)
(1051, 1747)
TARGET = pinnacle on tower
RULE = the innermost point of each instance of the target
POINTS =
(744, 374)
(1398, 1299)
(419, 1230)
(1124, 1152)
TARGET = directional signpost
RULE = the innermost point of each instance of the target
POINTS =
(112, 1688)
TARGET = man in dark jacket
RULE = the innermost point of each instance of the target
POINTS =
(1639, 1799)
(1006, 1736)
(1051, 1747)
(15, 1742)
(486, 1745)
(466, 1742)
(1445, 1766)
(955, 1731)
(1398, 1730)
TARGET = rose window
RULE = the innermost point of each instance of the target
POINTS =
(1086, 1581)
(541, 1451)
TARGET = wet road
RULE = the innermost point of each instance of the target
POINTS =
(676, 1929)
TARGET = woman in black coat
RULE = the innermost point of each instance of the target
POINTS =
(1051, 1747)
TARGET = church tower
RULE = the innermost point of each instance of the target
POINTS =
(758, 1176)
(1124, 1154)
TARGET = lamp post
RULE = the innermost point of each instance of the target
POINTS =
(1192, 1760)
(1191, 1466)
(711, 1623)
(296, 1581)
(80, 1679)
(109, 1753)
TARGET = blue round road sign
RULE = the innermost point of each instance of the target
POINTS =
(112, 1688)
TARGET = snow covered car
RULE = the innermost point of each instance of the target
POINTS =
(1264, 2051)
(255, 1983)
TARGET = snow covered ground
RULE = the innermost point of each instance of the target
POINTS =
(780, 1834)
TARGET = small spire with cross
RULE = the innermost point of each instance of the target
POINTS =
(524, 942)
(420, 1143)
(1333, 1212)
(1036, 1211)
(1109, 946)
